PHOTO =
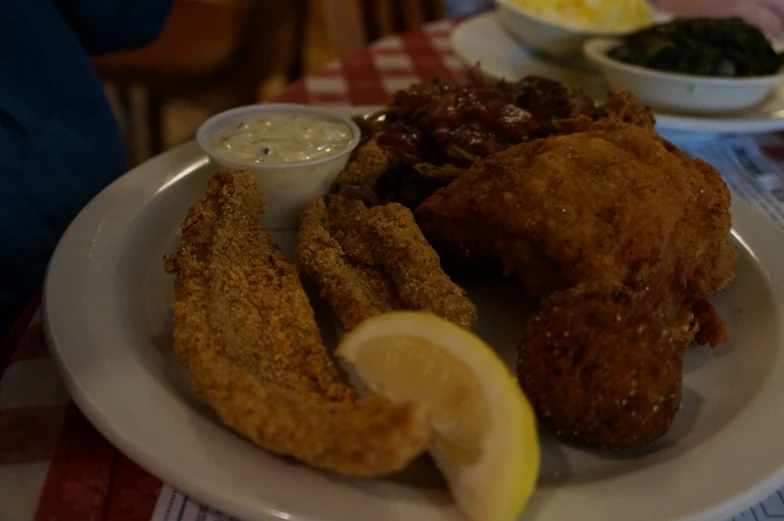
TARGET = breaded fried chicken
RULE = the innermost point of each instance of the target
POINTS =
(566, 209)
(622, 106)
(608, 222)
(369, 261)
(604, 366)
(602, 204)
(245, 331)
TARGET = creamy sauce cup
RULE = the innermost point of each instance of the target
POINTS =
(287, 187)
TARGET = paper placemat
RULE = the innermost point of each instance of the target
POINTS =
(749, 173)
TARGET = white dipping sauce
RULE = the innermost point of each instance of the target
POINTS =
(275, 139)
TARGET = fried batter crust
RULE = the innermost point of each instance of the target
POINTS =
(604, 368)
(244, 329)
(368, 261)
(624, 237)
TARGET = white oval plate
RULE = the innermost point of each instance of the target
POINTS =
(482, 40)
(107, 321)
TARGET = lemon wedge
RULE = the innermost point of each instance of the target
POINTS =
(483, 428)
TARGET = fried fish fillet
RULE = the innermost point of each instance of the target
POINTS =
(362, 177)
(245, 331)
(369, 261)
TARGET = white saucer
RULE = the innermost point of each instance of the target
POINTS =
(482, 40)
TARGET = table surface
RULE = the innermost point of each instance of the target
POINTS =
(53, 464)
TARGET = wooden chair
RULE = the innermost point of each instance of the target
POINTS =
(213, 52)
(352, 24)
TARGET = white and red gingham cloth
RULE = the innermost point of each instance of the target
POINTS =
(54, 466)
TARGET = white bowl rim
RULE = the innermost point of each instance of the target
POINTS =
(596, 49)
(577, 31)
(202, 135)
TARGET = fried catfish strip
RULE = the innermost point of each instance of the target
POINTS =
(245, 331)
(369, 261)
(361, 177)
(354, 290)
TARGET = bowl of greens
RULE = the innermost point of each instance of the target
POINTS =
(692, 65)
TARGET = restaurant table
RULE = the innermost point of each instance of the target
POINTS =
(54, 466)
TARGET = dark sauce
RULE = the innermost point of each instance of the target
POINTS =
(440, 123)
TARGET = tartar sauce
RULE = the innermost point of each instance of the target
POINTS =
(279, 138)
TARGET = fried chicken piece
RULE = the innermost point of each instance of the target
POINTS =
(616, 208)
(623, 106)
(369, 261)
(245, 331)
(604, 370)
(566, 209)
(620, 106)
(707, 224)
(599, 204)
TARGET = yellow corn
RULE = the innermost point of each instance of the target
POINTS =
(607, 15)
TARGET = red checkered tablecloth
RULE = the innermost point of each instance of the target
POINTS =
(371, 76)
(54, 466)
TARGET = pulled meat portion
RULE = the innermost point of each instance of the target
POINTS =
(443, 123)
(477, 119)
(434, 125)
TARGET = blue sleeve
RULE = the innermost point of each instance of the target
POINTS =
(105, 26)
(59, 141)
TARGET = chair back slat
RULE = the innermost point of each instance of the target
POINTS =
(352, 24)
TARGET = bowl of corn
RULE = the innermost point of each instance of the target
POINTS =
(559, 28)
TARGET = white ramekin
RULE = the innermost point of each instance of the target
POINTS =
(287, 188)
(680, 93)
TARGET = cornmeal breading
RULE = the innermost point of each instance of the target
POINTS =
(245, 330)
(368, 261)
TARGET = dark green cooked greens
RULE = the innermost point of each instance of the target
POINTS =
(720, 47)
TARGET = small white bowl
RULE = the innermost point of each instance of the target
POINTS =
(547, 37)
(287, 187)
(681, 93)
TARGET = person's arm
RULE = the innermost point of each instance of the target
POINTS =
(105, 26)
